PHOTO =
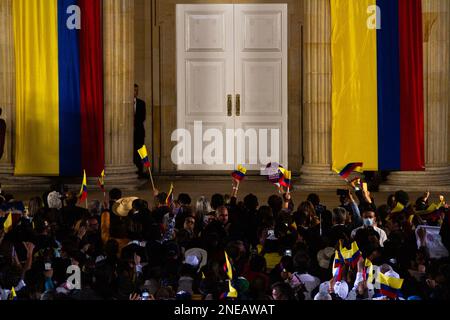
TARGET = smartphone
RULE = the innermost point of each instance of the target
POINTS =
(48, 266)
(145, 295)
(288, 252)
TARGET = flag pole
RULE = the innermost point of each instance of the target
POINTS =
(151, 178)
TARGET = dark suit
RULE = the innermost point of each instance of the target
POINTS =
(139, 132)
(2, 136)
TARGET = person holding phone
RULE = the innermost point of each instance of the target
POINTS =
(347, 201)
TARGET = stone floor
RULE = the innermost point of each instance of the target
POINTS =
(197, 188)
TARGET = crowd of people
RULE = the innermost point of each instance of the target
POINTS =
(176, 248)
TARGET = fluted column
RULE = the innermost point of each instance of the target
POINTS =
(316, 171)
(118, 47)
(7, 83)
(436, 177)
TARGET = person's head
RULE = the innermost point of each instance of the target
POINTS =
(115, 194)
(202, 207)
(391, 201)
(92, 225)
(402, 197)
(282, 291)
(302, 262)
(189, 223)
(217, 200)
(307, 214)
(251, 202)
(258, 263)
(94, 207)
(339, 215)
(265, 213)
(34, 206)
(184, 199)
(222, 214)
(160, 199)
(276, 203)
(71, 199)
(369, 218)
(314, 199)
(136, 90)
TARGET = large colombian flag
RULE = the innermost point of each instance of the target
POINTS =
(59, 87)
(377, 80)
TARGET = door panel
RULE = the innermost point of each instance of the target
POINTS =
(233, 51)
(261, 77)
(205, 71)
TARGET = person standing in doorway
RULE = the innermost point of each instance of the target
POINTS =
(139, 130)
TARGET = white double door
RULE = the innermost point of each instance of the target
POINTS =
(231, 86)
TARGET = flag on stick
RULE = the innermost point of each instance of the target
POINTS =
(227, 267)
(7, 225)
(239, 174)
(285, 179)
(101, 181)
(83, 192)
(144, 156)
(390, 286)
(349, 168)
(169, 198)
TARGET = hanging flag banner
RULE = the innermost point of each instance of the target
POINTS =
(59, 87)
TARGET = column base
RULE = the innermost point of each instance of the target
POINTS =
(123, 177)
(319, 178)
(435, 179)
(11, 183)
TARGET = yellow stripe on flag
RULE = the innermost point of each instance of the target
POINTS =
(7, 225)
(37, 88)
(354, 83)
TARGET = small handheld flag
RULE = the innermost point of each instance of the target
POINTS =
(351, 256)
(83, 192)
(227, 267)
(7, 225)
(349, 168)
(101, 181)
(169, 198)
(146, 162)
(13, 295)
(398, 208)
(239, 174)
(338, 266)
(390, 286)
(368, 271)
(285, 179)
(232, 293)
(144, 156)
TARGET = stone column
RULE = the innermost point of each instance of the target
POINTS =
(316, 171)
(7, 84)
(118, 48)
(436, 177)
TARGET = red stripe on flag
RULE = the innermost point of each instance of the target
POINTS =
(412, 155)
(91, 87)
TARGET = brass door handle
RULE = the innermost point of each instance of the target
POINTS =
(238, 105)
(229, 105)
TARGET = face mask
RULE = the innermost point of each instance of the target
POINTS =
(368, 222)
